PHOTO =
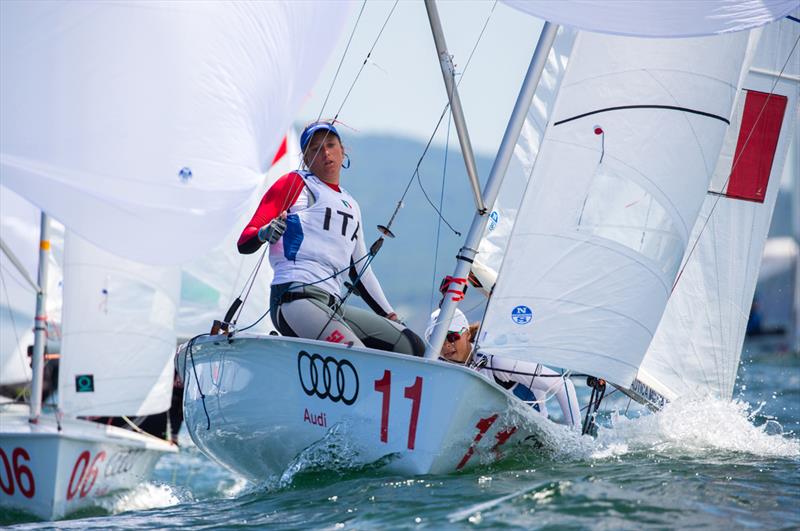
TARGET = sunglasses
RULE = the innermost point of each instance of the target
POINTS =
(452, 337)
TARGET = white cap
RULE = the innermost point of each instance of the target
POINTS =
(457, 324)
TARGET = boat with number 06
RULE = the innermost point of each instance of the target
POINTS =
(262, 405)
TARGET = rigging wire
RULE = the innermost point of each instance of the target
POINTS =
(415, 173)
(341, 61)
(735, 163)
(441, 207)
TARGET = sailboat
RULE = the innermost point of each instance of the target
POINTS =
(627, 128)
(148, 151)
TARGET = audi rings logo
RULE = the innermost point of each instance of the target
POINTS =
(327, 377)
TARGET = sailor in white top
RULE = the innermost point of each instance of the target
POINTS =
(531, 382)
(314, 229)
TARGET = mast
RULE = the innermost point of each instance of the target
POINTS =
(467, 253)
(448, 73)
(40, 329)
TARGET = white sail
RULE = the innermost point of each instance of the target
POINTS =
(658, 19)
(211, 283)
(118, 333)
(146, 127)
(19, 231)
(617, 186)
(492, 248)
(698, 344)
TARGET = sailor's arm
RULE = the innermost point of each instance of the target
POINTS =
(368, 286)
(280, 196)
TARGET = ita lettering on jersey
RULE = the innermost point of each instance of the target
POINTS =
(320, 239)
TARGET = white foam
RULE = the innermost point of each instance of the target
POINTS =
(696, 427)
(144, 496)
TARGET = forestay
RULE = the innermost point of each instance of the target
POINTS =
(118, 333)
(696, 349)
(146, 127)
(658, 19)
(617, 186)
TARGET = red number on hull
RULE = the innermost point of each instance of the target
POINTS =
(7, 488)
(27, 487)
(87, 476)
(384, 386)
(21, 471)
(413, 392)
(83, 460)
(87, 483)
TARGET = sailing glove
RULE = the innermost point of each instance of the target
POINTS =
(272, 231)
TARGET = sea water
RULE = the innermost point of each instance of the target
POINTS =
(701, 463)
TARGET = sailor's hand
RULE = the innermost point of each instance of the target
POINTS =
(393, 317)
(272, 231)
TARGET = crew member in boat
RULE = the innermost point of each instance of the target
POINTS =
(531, 382)
(315, 232)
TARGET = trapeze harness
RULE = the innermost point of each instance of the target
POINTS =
(323, 244)
(532, 383)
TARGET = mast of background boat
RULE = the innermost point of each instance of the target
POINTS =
(40, 329)
(467, 253)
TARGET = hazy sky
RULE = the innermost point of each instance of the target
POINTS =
(401, 90)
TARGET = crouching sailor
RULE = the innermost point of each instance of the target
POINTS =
(316, 238)
(531, 382)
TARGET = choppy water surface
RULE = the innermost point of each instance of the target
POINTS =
(706, 464)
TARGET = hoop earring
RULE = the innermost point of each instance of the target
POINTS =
(346, 162)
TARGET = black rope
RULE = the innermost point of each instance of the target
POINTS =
(415, 173)
(335, 274)
(598, 392)
(373, 250)
(188, 352)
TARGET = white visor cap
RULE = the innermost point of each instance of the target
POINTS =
(458, 324)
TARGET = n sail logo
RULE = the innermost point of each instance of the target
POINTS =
(522, 315)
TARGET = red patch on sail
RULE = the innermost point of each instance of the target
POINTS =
(280, 153)
(762, 117)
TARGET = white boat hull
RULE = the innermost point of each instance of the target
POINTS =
(275, 403)
(51, 472)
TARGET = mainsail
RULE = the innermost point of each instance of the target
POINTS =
(118, 333)
(618, 183)
(146, 127)
(696, 349)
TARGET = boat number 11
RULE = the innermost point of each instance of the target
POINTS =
(413, 392)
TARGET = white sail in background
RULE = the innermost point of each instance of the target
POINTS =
(501, 220)
(617, 186)
(658, 19)
(146, 127)
(19, 230)
(697, 347)
(118, 333)
(211, 283)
